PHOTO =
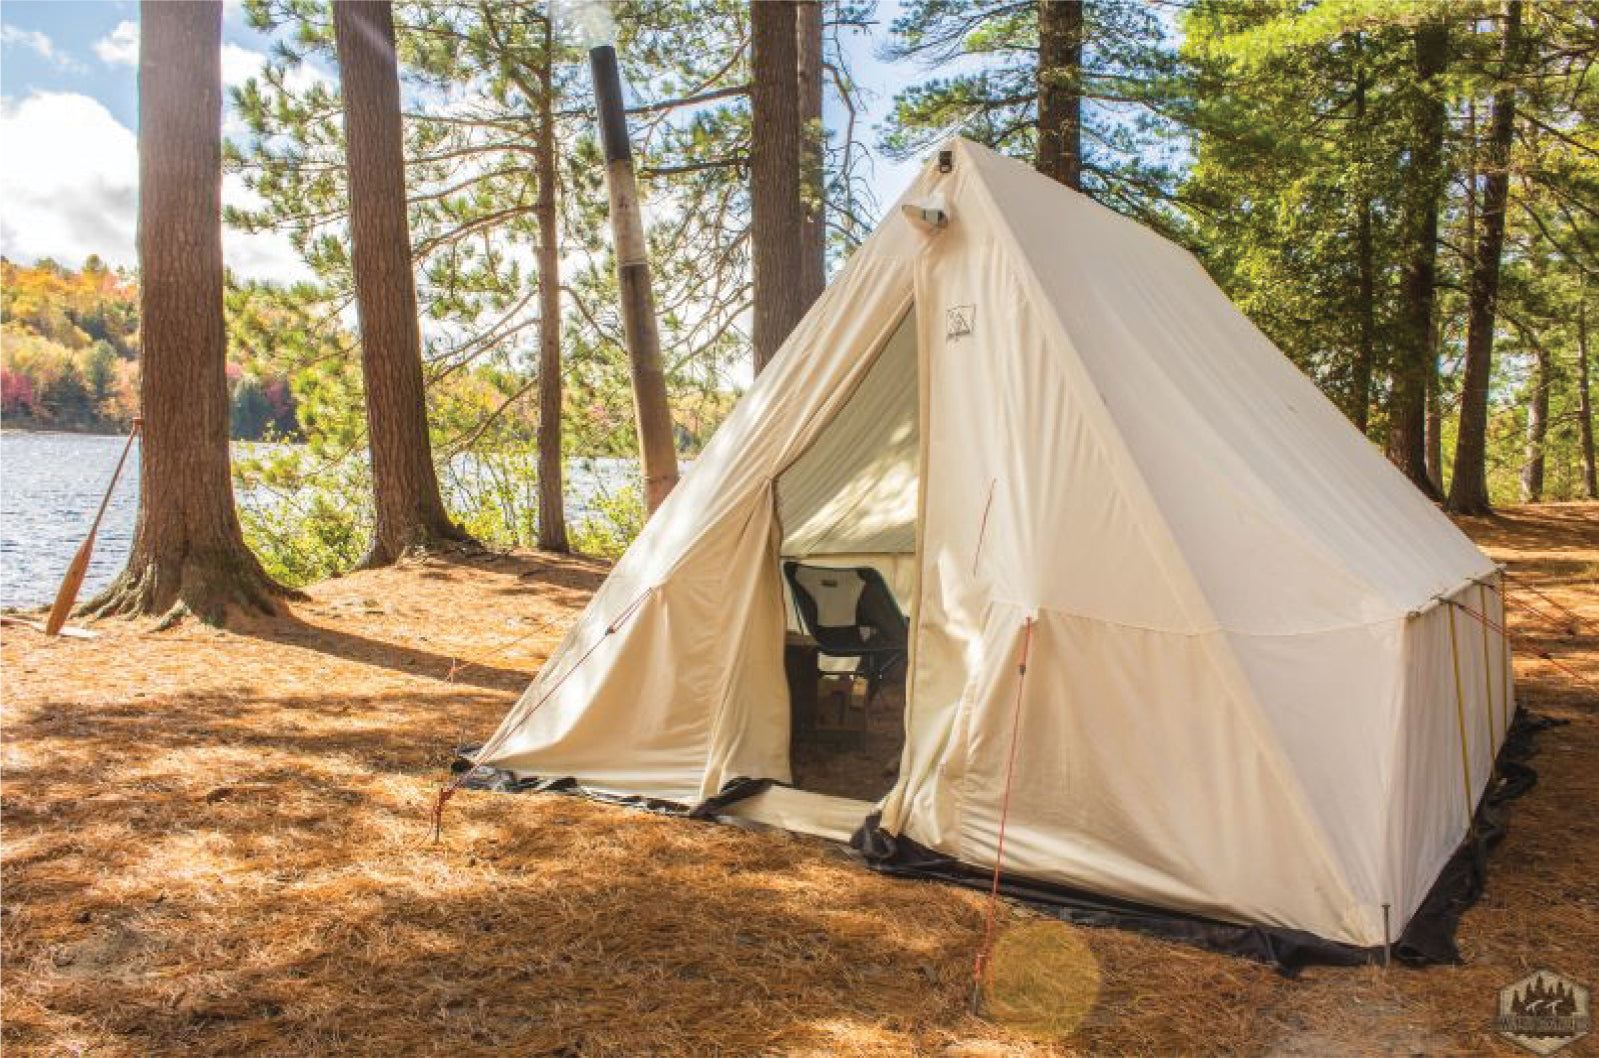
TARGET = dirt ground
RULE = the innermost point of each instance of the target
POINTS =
(218, 843)
(861, 761)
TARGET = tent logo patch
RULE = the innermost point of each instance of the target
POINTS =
(959, 321)
(1544, 1012)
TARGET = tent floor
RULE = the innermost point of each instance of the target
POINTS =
(858, 759)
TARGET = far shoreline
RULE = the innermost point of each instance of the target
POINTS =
(9, 426)
(58, 430)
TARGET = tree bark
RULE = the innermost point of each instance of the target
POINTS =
(1537, 430)
(775, 208)
(652, 413)
(1060, 96)
(409, 511)
(1590, 474)
(1435, 415)
(1468, 490)
(1366, 265)
(813, 190)
(188, 550)
(552, 506)
(1424, 183)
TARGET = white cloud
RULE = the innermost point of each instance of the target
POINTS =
(37, 42)
(267, 255)
(69, 187)
(28, 39)
(68, 180)
(239, 64)
(304, 75)
(120, 47)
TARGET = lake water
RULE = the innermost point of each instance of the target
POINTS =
(51, 483)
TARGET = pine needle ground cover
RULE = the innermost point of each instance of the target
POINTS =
(219, 843)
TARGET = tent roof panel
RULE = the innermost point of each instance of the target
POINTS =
(1241, 450)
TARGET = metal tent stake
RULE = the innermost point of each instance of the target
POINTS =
(1387, 946)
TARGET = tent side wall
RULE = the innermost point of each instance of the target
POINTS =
(1459, 701)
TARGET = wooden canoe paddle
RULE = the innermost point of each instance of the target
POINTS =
(80, 562)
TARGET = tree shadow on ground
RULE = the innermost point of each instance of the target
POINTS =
(290, 631)
(201, 879)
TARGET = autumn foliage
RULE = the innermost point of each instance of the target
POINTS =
(69, 355)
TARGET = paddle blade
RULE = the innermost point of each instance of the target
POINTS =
(68, 594)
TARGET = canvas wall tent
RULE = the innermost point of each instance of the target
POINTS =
(1249, 694)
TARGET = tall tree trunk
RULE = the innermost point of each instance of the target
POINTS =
(775, 208)
(813, 189)
(1366, 337)
(1537, 430)
(1590, 474)
(1424, 183)
(552, 507)
(1366, 265)
(410, 513)
(1468, 490)
(1435, 406)
(1060, 93)
(652, 412)
(188, 551)
(1435, 414)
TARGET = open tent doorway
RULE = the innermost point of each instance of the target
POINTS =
(847, 508)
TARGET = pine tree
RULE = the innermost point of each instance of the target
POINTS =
(188, 551)
(530, 66)
(1082, 90)
(1532, 470)
(410, 512)
(1425, 179)
(1060, 100)
(1585, 451)
(776, 211)
(1468, 489)
(552, 504)
(1293, 192)
(1300, 202)
(813, 152)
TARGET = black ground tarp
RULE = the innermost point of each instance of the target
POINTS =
(1429, 937)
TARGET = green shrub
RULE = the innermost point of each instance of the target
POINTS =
(613, 519)
(305, 519)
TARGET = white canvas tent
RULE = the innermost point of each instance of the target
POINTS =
(1244, 696)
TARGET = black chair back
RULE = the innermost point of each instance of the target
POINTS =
(849, 611)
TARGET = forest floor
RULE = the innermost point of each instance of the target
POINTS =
(218, 843)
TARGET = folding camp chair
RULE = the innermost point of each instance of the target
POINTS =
(851, 614)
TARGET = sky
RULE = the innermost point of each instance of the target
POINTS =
(68, 151)
(69, 114)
